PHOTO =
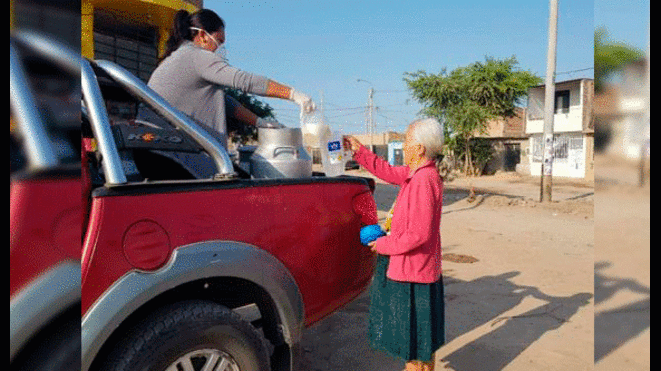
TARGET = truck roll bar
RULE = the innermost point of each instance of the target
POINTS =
(140, 90)
(98, 116)
(38, 148)
(51, 49)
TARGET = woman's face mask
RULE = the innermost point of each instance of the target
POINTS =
(220, 47)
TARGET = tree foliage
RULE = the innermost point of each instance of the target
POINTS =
(468, 97)
(609, 57)
(238, 131)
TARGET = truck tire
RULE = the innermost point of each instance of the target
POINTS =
(191, 335)
(55, 349)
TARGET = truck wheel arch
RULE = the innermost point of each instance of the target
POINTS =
(39, 304)
(213, 262)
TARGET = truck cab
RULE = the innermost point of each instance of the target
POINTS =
(182, 271)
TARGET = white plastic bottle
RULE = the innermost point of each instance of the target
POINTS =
(333, 156)
(331, 146)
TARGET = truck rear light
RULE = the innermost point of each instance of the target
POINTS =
(365, 206)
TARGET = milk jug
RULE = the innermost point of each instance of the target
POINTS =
(334, 158)
(331, 146)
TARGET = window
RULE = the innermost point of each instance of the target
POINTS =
(536, 103)
(576, 144)
(562, 101)
(560, 148)
(562, 143)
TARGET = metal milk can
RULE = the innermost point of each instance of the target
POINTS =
(280, 154)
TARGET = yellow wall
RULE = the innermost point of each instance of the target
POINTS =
(156, 13)
(11, 15)
(86, 29)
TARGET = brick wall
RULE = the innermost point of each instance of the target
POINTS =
(507, 127)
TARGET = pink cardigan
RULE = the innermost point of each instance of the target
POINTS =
(414, 242)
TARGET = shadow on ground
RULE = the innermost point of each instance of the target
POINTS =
(340, 342)
(483, 301)
(613, 328)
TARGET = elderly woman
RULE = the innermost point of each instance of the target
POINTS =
(407, 307)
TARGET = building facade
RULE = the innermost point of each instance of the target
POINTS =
(508, 139)
(622, 111)
(573, 129)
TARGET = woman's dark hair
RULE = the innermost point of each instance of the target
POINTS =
(204, 19)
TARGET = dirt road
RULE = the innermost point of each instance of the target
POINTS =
(622, 267)
(519, 282)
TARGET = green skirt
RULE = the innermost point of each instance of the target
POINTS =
(406, 320)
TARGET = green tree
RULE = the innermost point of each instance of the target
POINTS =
(468, 97)
(609, 57)
(238, 131)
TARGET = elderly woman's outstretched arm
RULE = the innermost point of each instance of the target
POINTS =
(376, 165)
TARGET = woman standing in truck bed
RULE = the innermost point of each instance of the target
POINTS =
(193, 73)
(407, 308)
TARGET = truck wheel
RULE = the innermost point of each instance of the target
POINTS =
(191, 336)
(55, 349)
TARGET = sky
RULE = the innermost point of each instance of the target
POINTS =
(626, 21)
(324, 48)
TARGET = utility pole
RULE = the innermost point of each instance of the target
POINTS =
(645, 135)
(371, 118)
(370, 114)
(549, 104)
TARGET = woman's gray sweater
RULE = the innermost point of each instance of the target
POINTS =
(192, 80)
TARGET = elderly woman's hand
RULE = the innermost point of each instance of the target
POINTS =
(352, 143)
(372, 246)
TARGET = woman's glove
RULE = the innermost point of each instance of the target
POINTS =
(268, 123)
(303, 100)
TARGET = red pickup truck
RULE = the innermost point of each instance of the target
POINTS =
(187, 273)
(45, 208)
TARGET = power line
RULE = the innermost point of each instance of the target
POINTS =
(391, 91)
(327, 109)
(347, 109)
(345, 114)
(412, 110)
(574, 71)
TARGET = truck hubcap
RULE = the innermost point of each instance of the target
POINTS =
(205, 360)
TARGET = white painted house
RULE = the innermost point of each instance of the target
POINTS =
(628, 118)
(573, 129)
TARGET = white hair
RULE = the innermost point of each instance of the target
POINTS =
(429, 133)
